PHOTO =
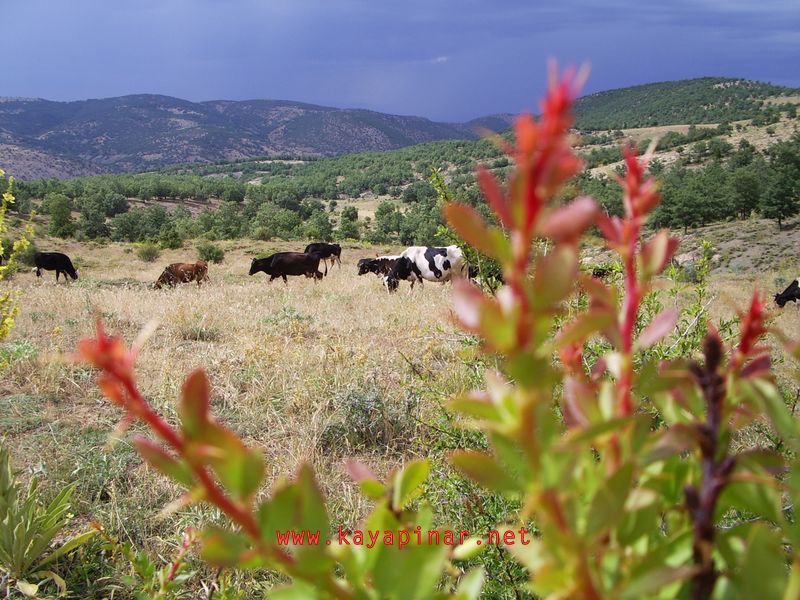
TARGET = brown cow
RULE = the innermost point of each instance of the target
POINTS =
(183, 273)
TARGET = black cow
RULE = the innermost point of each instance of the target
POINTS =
(790, 293)
(326, 251)
(282, 264)
(54, 261)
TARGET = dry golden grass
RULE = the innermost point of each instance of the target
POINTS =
(280, 358)
(284, 360)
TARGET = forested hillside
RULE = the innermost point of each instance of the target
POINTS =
(704, 100)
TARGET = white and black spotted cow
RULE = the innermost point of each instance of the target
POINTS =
(425, 263)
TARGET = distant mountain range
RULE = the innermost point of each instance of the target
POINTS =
(41, 138)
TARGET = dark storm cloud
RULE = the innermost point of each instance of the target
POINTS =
(448, 60)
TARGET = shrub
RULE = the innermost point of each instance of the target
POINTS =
(148, 252)
(27, 530)
(364, 420)
(210, 252)
(625, 462)
(11, 253)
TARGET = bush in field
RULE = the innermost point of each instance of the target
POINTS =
(623, 457)
(10, 253)
(210, 252)
(28, 529)
(148, 252)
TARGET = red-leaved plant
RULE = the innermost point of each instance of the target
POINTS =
(626, 467)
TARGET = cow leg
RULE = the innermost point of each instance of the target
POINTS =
(38, 272)
(57, 274)
(285, 280)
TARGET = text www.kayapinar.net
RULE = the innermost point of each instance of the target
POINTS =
(401, 538)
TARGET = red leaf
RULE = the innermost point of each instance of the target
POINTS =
(658, 328)
(609, 227)
(657, 252)
(494, 195)
(194, 402)
(470, 226)
(567, 223)
(358, 471)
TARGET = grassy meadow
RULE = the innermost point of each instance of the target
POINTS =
(306, 372)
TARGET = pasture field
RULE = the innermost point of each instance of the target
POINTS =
(306, 372)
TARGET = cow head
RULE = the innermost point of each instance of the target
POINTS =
(253, 267)
(363, 266)
(400, 270)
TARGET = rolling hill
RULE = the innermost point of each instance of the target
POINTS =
(41, 138)
(144, 132)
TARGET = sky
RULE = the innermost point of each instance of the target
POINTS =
(447, 60)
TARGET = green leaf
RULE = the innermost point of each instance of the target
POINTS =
(240, 468)
(469, 549)
(28, 589)
(68, 547)
(469, 588)
(769, 401)
(159, 459)
(751, 497)
(407, 482)
(298, 590)
(194, 403)
(606, 508)
(585, 434)
(483, 469)
(762, 573)
(650, 582)
(60, 583)
(223, 547)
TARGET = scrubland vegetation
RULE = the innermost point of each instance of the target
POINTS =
(586, 439)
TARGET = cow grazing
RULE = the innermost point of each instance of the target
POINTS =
(423, 263)
(183, 273)
(332, 252)
(54, 261)
(282, 264)
(380, 265)
(791, 293)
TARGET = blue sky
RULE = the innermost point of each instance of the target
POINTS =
(449, 60)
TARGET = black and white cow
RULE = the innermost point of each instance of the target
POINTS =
(790, 293)
(425, 263)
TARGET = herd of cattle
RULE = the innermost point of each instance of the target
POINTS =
(415, 264)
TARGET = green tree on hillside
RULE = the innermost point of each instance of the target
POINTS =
(779, 200)
(61, 222)
(93, 218)
(388, 220)
(319, 227)
(348, 224)
(746, 185)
